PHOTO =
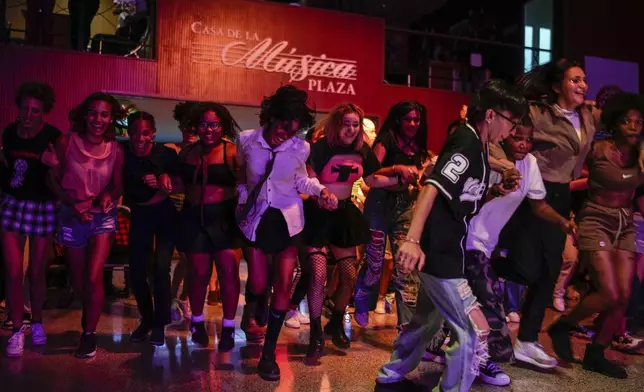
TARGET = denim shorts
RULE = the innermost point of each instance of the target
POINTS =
(74, 234)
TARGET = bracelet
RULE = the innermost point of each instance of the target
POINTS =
(413, 241)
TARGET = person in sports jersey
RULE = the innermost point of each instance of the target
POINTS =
(337, 160)
(606, 233)
(208, 229)
(435, 243)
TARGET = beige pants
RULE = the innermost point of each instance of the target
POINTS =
(568, 267)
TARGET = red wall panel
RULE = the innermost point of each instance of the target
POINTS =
(72, 75)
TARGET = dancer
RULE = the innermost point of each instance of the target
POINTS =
(28, 209)
(507, 194)
(208, 229)
(148, 168)
(606, 234)
(401, 148)
(88, 181)
(337, 160)
(270, 210)
(564, 127)
(452, 195)
(180, 303)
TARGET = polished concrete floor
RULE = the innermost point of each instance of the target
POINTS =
(180, 366)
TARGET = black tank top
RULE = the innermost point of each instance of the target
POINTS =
(216, 174)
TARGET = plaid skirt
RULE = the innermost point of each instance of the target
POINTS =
(28, 217)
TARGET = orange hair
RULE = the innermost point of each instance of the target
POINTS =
(333, 125)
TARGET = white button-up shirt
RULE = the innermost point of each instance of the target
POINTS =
(284, 185)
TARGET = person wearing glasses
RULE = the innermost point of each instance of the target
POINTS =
(272, 162)
(564, 128)
(207, 227)
(607, 234)
(434, 246)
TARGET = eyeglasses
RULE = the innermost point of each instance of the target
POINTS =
(578, 80)
(511, 121)
(213, 125)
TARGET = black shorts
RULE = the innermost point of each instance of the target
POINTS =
(272, 235)
(344, 227)
(208, 228)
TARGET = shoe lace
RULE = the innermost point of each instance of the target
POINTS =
(492, 369)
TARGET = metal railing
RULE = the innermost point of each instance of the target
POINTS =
(428, 59)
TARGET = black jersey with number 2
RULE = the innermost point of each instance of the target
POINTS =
(461, 176)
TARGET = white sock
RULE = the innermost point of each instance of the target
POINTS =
(228, 323)
(198, 319)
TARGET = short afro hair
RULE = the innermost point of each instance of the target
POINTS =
(40, 91)
(182, 110)
(616, 108)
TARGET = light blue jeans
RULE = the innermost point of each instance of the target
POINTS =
(451, 299)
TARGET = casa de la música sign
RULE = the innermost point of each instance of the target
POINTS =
(245, 49)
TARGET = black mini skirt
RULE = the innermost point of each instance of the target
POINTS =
(344, 227)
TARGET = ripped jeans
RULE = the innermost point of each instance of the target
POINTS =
(453, 300)
(389, 215)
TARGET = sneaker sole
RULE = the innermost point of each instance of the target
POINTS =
(84, 356)
(157, 343)
(38, 342)
(13, 355)
(494, 381)
(525, 359)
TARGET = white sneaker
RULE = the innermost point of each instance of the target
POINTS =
(626, 343)
(38, 335)
(302, 318)
(533, 353)
(559, 304)
(16, 344)
(491, 373)
(380, 307)
(513, 317)
(292, 321)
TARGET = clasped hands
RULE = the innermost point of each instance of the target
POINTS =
(327, 200)
(164, 182)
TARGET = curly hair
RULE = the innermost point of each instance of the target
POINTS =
(228, 124)
(287, 104)
(40, 91)
(617, 107)
(605, 93)
(394, 120)
(181, 111)
(78, 115)
(333, 125)
(142, 116)
(537, 83)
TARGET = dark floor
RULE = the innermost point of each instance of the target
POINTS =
(180, 366)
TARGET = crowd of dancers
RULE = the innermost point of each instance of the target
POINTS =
(490, 212)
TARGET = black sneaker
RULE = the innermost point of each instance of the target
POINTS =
(87, 346)
(581, 332)
(140, 333)
(227, 340)
(404, 385)
(268, 369)
(199, 334)
(491, 374)
(560, 335)
(595, 361)
(157, 337)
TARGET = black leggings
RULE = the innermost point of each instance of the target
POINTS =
(81, 14)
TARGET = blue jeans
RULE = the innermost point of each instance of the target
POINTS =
(453, 300)
(389, 215)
